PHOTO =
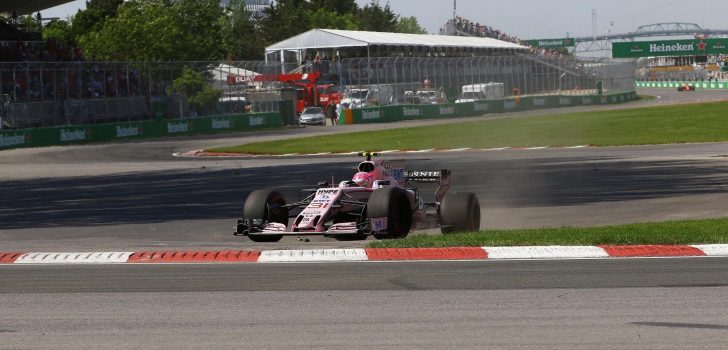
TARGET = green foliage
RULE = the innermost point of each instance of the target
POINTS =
(240, 39)
(189, 30)
(323, 18)
(409, 25)
(29, 23)
(59, 31)
(196, 86)
(97, 12)
(373, 17)
(157, 30)
(286, 18)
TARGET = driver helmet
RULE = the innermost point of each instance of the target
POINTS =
(363, 179)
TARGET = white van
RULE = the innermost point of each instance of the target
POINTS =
(483, 91)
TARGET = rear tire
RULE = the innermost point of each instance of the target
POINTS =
(392, 203)
(460, 212)
(266, 205)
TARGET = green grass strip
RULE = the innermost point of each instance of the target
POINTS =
(711, 231)
(654, 125)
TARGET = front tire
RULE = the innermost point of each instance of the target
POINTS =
(266, 205)
(392, 203)
(460, 212)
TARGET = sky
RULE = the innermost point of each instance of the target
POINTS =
(539, 19)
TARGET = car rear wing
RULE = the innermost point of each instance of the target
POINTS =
(442, 177)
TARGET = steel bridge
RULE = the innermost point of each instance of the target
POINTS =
(603, 43)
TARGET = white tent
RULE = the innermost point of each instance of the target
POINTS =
(333, 39)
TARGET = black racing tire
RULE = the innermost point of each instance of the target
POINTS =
(265, 205)
(392, 203)
(460, 212)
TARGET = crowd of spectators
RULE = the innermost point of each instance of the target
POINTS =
(37, 51)
(44, 71)
(480, 30)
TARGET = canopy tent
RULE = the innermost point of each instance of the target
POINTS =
(26, 7)
(336, 39)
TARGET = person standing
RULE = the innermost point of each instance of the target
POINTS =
(339, 109)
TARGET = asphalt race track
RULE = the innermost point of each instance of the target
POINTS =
(136, 196)
(620, 304)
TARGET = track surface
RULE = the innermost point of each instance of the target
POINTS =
(625, 304)
(135, 196)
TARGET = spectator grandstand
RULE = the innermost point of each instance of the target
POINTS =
(464, 27)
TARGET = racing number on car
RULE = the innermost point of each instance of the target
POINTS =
(379, 224)
(318, 205)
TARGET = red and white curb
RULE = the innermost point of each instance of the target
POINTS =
(206, 154)
(365, 254)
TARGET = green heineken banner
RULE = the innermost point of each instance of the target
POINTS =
(551, 43)
(694, 47)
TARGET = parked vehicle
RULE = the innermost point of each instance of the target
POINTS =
(312, 116)
(483, 91)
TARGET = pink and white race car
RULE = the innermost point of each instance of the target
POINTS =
(376, 201)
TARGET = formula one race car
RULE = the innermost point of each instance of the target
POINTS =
(686, 87)
(376, 201)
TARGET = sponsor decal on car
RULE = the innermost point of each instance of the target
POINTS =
(325, 191)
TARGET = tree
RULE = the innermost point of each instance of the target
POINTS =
(159, 30)
(409, 25)
(196, 87)
(240, 37)
(59, 31)
(97, 12)
(376, 18)
(323, 18)
(341, 7)
(284, 19)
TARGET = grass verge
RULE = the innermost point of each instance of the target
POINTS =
(653, 125)
(710, 231)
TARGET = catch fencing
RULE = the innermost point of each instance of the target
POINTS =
(414, 80)
(45, 94)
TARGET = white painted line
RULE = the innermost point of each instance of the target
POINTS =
(713, 249)
(422, 151)
(348, 153)
(546, 252)
(533, 148)
(318, 154)
(580, 146)
(458, 149)
(496, 149)
(74, 258)
(390, 151)
(287, 155)
(316, 255)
